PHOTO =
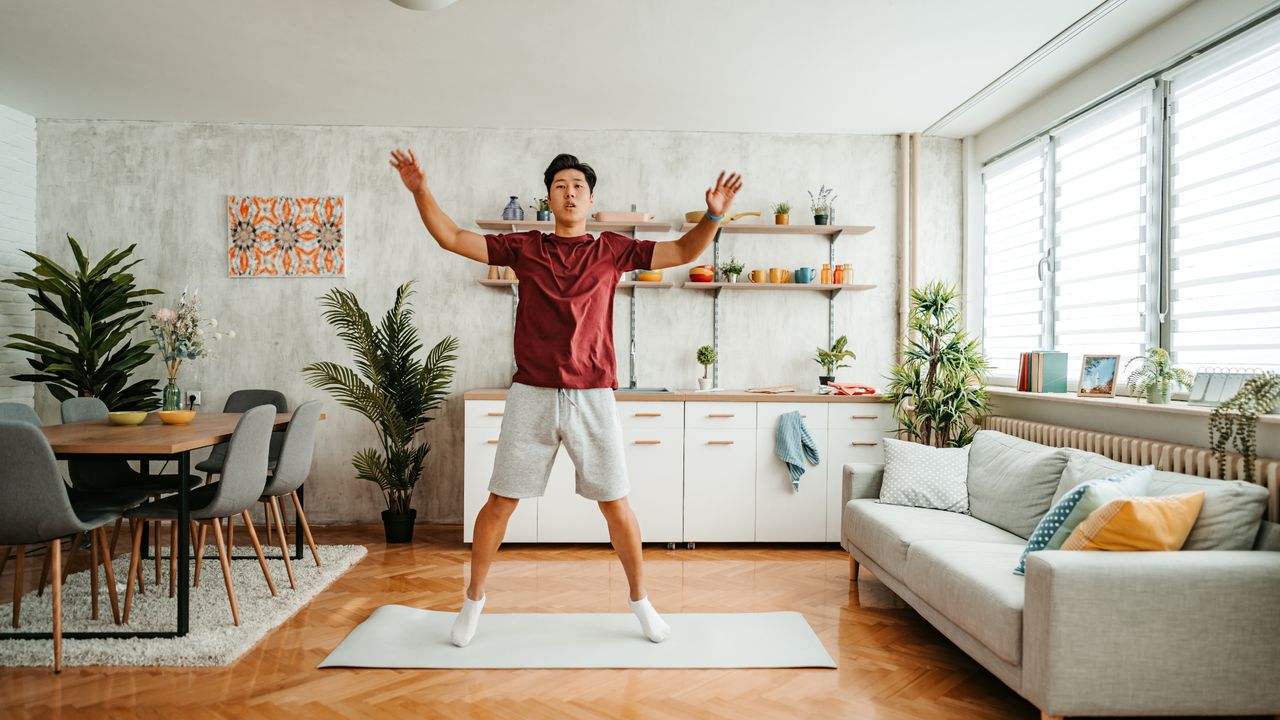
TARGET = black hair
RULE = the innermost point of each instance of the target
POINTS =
(565, 161)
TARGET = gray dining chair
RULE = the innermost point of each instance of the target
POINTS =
(34, 508)
(238, 402)
(244, 476)
(291, 472)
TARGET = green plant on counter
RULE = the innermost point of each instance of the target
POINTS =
(832, 359)
(390, 386)
(543, 205)
(938, 389)
(1152, 378)
(98, 306)
(1237, 419)
(706, 358)
(782, 208)
(733, 267)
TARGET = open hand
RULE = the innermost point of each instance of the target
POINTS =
(406, 163)
(721, 196)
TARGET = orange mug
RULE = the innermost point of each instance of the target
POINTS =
(779, 275)
(757, 276)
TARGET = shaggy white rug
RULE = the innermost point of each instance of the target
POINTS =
(212, 639)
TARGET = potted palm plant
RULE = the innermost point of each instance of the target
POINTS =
(706, 358)
(832, 359)
(1152, 378)
(1236, 420)
(392, 387)
(938, 389)
(98, 305)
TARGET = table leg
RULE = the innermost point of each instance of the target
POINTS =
(184, 543)
(144, 467)
(297, 529)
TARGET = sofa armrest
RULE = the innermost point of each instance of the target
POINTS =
(1129, 633)
(861, 480)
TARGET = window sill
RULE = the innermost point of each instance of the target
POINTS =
(1176, 407)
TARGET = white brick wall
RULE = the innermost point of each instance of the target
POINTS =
(17, 233)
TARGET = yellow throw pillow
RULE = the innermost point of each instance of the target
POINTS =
(1138, 523)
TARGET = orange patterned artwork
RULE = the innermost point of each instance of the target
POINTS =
(281, 236)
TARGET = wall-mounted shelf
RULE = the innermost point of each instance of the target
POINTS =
(830, 231)
(830, 287)
(621, 283)
(592, 226)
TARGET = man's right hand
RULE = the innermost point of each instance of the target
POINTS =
(406, 163)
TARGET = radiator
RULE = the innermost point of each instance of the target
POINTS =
(1163, 455)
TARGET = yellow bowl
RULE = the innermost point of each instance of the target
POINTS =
(649, 276)
(176, 417)
(127, 417)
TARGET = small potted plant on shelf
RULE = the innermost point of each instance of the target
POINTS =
(706, 357)
(731, 270)
(781, 213)
(821, 205)
(1237, 419)
(832, 359)
(543, 207)
(1153, 376)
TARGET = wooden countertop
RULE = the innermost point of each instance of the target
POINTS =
(689, 395)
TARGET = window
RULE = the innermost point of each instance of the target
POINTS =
(1013, 294)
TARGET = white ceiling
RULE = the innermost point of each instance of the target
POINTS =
(804, 66)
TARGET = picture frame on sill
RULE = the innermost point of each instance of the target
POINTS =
(1098, 376)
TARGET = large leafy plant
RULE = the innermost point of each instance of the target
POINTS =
(833, 359)
(391, 386)
(98, 306)
(1237, 419)
(938, 388)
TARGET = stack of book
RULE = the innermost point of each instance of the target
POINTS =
(1042, 371)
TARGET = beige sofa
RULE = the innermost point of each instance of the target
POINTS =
(1085, 633)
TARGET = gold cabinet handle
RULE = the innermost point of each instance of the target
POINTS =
(648, 442)
(864, 417)
(720, 415)
(719, 442)
(496, 414)
(491, 442)
(646, 414)
(866, 444)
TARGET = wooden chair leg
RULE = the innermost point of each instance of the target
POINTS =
(55, 551)
(173, 558)
(44, 572)
(135, 564)
(110, 573)
(284, 542)
(306, 527)
(1047, 716)
(115, 535)
(200, 552)
(266, 512)
(853, 569)
(71, 555)
(157, 525)
(135, 523)
(93, 571)
(231, 535)
(19, 550)
(257, 548)
(4, 557)
(226, 569)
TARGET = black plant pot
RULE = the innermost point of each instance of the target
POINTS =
(544, 215)
(824, 379)
(399, 527)
(820, 219)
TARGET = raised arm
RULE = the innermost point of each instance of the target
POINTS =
(687, 249)
(445, 231)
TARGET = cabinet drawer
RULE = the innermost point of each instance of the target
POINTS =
(814, 415)
(483, 413)
(642, 415)
(861, 416)
(719, 485)
(846, 446)
(711, 415)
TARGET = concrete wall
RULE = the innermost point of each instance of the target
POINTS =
(164, 186)
(17, 233)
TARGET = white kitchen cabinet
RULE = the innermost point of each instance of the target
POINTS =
(655, 463)
(565, 516)
(782, 513)
(855, 434)
(719, 484)
(480, 447)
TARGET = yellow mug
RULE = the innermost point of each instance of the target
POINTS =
(757, 276)
(779, 275)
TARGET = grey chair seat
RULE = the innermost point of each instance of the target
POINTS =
(167, 508)
(117, 500)
(213, 465)
(91, 518)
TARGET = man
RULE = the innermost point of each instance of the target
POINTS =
(566, 372)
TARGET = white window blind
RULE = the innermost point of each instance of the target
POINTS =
(1225, 206)
(1014, 242)
(1101, 230)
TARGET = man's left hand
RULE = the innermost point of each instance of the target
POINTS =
(720, 197)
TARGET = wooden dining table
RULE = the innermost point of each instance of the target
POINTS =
(152, 440)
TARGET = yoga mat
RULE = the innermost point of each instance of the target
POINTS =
(395, 636)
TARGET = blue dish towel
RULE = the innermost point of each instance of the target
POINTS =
(793, 444)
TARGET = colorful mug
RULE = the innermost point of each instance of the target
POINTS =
(757, 276)
(779, 275)
(805, 275)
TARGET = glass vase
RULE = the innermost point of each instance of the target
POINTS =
(172, 396)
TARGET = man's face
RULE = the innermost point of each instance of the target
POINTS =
(570, 197)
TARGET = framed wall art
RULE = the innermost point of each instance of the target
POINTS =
(284, 236)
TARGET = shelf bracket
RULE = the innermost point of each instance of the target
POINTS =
(715, 309)
(831, 296)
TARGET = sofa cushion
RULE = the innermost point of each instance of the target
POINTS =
(1083, 466)
(885, 532)
(1135, 524)
(1231, 514)
(970, 583)
(924, 476)
(1012, 481)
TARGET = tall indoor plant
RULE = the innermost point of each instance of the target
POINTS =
(1237, 420)
(393, 388)
(938, 388)
(98, 305)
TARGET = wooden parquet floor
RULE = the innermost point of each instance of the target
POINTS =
(892, 664)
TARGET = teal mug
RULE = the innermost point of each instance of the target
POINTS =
(805, 275)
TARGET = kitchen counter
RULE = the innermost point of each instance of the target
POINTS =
(690, 395)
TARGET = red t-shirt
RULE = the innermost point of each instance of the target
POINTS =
(564, 321)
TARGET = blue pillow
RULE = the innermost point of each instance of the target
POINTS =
(1076, 505)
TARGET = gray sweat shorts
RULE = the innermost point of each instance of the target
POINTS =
(536, 420)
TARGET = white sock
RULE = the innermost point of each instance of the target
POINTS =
(655, 628)
(464, 627)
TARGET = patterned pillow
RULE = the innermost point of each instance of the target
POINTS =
(1072, 508)
(925, 477)
(1139, 523)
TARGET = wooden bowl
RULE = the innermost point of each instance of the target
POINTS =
(127, 417)
(176, 417)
